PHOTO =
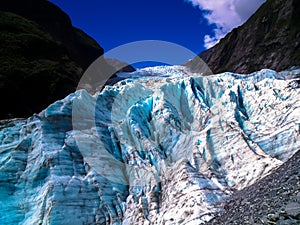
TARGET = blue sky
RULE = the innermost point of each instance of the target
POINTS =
(194, 24)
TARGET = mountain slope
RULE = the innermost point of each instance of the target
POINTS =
(42, 56)
(269, 39)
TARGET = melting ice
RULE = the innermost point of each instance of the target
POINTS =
(164, 146)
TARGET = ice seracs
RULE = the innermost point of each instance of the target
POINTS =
(159, 149)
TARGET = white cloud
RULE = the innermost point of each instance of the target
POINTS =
(225, 15)
(209, 41)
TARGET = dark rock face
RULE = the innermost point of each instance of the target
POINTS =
(269, 39)
(80, 47)
(42, 56)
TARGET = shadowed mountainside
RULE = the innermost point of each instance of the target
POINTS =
(42, 56)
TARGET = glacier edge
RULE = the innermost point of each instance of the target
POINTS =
(148, 150)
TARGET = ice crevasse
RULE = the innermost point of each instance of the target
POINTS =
(161, 149)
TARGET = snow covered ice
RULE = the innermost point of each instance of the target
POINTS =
(164, 146)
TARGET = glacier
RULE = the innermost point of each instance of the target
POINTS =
(164, 146)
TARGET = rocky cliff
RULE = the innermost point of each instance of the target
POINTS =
(42, 56)
(160, 149)
(269, 39)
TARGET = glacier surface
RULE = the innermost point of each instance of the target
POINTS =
(164, 146)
